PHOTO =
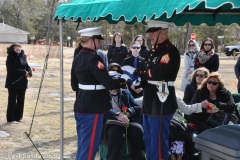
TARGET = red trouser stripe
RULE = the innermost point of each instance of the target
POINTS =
(93, 137)
(160, 140)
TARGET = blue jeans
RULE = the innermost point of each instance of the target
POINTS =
(89, 130)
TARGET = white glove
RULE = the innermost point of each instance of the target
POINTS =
(124, 76)
(129, 69)
(136, 83)
(113, 73)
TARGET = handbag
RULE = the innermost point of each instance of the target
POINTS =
(116, 122)
(112, 122)
(217, 119)
(234, 119)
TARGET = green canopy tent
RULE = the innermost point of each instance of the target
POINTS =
(131, 11)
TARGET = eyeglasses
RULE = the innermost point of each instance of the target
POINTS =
(207, 44)
(199, 75)
(139, 40)
(213, 83)
(135, 47)
(191, 45)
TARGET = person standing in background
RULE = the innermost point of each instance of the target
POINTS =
(137, 62)
(207, 57)
(117, 51)
(18, 72)
(189, 60)
(144, 49)
(237, 73)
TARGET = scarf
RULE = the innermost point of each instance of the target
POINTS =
(204, 56)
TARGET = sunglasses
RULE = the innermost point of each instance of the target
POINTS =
(207, 44)
(213, 83)
(114, 70)
(135, 47)
(191, 45)
(199, 75)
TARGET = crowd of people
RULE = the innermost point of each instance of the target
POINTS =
(116, 79)
(148, 73)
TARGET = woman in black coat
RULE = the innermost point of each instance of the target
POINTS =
(144, 49)
(212, 91)
(18, 71)
(207, 57)
(117, 51)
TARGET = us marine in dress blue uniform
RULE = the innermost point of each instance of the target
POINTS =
(93, 98)
(161, 64)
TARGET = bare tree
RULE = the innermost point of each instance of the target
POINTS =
(50, 19)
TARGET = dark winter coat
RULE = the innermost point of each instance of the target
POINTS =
(117, 54)
(125, 99)
(189, 92)
(224, 102)
(16, 70)
(212, 64)
(143, 52)
(237, 71)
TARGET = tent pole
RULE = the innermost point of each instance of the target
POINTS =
(61, 91)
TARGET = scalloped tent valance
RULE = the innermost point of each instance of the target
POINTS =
(131, 11)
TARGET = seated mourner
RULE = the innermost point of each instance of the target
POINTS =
(211, 90)
(115, 134)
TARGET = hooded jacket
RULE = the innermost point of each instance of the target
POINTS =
(16, 70)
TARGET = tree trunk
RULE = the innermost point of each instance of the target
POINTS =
(50, 21)
(189, 29)
(132, 32)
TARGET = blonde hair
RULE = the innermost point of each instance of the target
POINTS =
(84, 39)
(215, 75)
(205, 70)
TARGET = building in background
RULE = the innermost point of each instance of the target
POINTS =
(9, 34)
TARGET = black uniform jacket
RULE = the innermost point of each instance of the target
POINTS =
(161, 63)
(89, 69)
(16, 68)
